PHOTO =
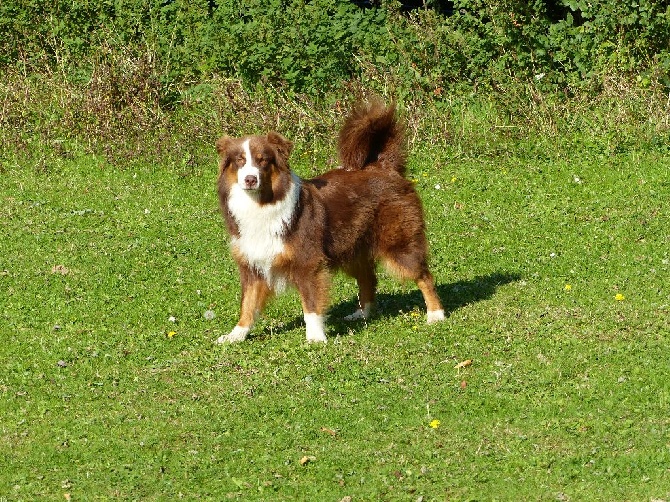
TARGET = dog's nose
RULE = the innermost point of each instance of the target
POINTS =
(250, 181)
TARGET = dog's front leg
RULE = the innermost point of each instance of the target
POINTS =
(255, 293)
(313, 289)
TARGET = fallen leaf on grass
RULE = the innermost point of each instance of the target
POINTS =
(307, 459)
(463, 364)
(464, 384)
(328, 431)
(240, 483)
(60, 269)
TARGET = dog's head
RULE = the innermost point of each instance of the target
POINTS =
(253, 162)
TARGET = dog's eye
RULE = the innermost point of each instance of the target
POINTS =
(262, 161)
(240, 161)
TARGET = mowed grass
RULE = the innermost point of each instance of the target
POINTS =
(554, 273)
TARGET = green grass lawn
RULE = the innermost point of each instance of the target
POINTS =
(554, 273)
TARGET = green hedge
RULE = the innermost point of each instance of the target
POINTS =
(315, 46)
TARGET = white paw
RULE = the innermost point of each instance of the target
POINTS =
(316, 332)
(363, 313)
(238, 334)
(356, 316)
(317, 338)
(435, 316)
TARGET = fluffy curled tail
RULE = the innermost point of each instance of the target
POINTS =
(371, 134)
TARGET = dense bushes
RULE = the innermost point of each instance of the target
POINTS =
(317, 45)
(309, 47)
(582, 40)
(155, 77)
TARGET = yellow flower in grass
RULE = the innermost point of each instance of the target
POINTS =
(434, 424)
(171, 334)
(568, 287)
(619, 297)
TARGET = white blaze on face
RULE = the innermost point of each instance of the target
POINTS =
(248, 169)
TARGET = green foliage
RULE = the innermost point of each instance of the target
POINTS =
(37, 32)
(314, 47)
(600, 36)
(306, 46)
(123, 79)
(489, 42)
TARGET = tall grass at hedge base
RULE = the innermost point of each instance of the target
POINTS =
(118, 114)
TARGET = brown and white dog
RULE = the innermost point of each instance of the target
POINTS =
(291, 231)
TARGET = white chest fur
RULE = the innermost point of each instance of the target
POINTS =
(262, 229)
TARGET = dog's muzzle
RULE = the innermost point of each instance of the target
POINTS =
(250, 182)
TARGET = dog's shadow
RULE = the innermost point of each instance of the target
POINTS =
(454, 296)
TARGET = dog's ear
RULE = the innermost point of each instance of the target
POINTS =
(223, 145)
(281, 144)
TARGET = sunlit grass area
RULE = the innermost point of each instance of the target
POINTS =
(547, 381)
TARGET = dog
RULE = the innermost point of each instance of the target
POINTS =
(286, 230)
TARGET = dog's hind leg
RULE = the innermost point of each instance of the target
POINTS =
(426, 284)
(363, 270)
(403, 249)
(413, 266)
